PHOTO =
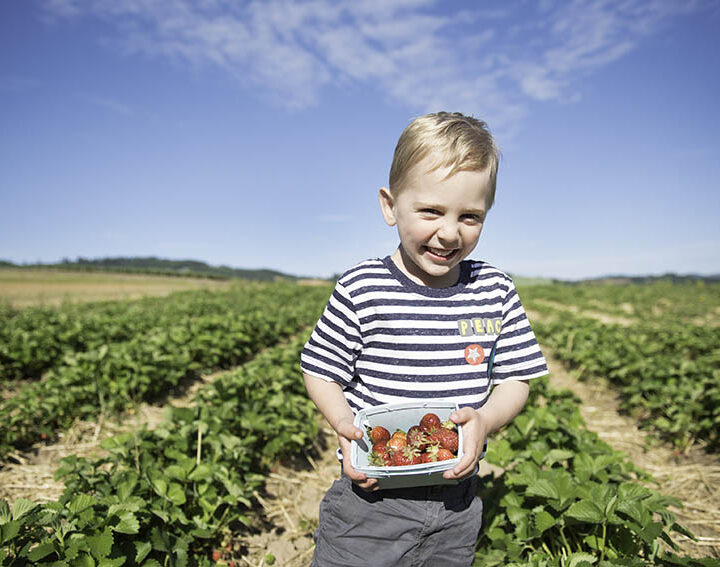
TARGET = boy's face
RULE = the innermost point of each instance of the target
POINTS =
(439, 221)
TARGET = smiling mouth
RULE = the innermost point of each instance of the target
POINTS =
(441, 254)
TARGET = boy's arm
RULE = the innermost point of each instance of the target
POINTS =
(504, 403)
(330, 400)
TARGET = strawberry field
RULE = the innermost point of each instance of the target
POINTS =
(186, 491)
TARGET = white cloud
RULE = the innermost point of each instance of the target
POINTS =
(490, 63)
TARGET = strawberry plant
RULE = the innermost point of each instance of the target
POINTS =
(116, 376)
(167, 496)
(567, 498)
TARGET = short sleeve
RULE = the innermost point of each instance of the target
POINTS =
(335, 343)
(516, 354)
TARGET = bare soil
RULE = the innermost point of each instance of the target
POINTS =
(30, 474)
(25, 287)
(692, 476)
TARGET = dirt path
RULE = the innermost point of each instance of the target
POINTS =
(692, 477)
(31, 476)
(290, 507)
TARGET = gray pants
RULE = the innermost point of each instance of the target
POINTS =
(433, 526)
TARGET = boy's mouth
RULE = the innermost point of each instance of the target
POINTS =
(441, 254)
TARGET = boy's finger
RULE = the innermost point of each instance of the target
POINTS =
(349, 431)
(462, 468)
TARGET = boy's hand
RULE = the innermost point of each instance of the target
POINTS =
(346, 432)
(474, 433)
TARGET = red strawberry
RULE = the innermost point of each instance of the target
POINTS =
(399, 433)
(416, 438)
(444, 455)
(408, 456)
(380, 455)
(448, 439)
(216, 555)
(396, 444)
(379, 433)
(430, 422)
(427, 458)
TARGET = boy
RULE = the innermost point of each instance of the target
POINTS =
(421, 323)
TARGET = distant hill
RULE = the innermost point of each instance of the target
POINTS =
(159, 266)
(669, 277)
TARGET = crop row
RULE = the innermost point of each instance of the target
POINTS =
(659, 301)
(566, 499)
(668, 376)
(113, 377)
(35, 340)
(171, 495)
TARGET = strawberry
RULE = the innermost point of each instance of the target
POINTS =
(380, 455)
(416, 438)
(399, 433)
(216, 555)
(397, 443)
(379, 433)
(430, 422)
(444, 455)
(446, 438)
(408, 456)
(427, 458)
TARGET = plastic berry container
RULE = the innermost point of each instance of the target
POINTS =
(402, 416)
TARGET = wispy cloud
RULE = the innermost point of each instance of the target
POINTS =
(491, 63)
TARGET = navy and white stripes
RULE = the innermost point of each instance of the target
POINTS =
(386, 339)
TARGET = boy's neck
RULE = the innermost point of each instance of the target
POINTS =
(420, 277)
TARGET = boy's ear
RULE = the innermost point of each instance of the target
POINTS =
(387, 206)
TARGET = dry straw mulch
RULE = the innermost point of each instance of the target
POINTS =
(692, 476)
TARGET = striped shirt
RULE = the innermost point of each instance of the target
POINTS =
(386, 339)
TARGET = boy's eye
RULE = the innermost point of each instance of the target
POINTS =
(430, 211)
(473, 218)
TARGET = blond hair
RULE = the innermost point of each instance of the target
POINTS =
(453, 140)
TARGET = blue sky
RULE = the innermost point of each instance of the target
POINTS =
(256, 134)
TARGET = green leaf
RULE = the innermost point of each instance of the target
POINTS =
(176, 471)
(632, 491)
(142, 548)
(575, 559)
(4, 512)
(128, 524)
(116, 562)
(84, 560)
(543, 521)
(9, 531)
(80, 503)
(556, 455)
(201, 472)
(176, 494)
(101, 544)
(543, 487)
(585, 511)
(160, 486)
(21, 507)
(40, 551)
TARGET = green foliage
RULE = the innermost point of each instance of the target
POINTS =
(567, 499)
(668, 376)
(149, 501)
(185, 337)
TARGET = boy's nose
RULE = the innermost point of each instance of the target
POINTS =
(448, 232)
